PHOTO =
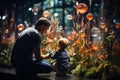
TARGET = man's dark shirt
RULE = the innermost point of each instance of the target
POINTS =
(23, 48)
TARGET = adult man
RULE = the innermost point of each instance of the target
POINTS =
(28, 44)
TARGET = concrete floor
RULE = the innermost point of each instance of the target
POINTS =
(9, 74)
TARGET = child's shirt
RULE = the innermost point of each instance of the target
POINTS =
(62, 59)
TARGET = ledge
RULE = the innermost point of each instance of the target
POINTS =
(8, 73)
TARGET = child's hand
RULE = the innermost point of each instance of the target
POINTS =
(50, 53)
(74, 54)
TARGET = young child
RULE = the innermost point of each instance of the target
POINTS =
(62, 58)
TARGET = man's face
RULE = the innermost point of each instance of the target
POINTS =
(43, 29)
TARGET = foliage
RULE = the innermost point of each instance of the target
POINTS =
(5, 55)
(73, 64)
(91, 73)
(79, 70)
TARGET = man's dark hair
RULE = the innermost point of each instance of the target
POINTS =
(43, 21)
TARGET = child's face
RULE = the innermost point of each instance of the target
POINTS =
(59, 46)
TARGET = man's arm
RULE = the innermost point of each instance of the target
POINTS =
(36, 51)
(39, 55)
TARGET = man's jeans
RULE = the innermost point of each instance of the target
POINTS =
(30, 70)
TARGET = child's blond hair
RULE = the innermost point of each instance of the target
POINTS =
(63, 42)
